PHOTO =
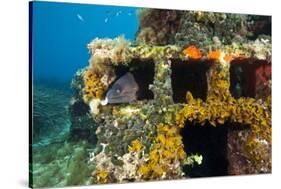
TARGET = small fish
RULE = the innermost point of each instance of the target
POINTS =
(122, 91)
(106, 20)
(118, 13)
(80, 17)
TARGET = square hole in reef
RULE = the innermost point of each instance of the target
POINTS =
(211, 143)
(143, 72)
(189, 76)
(218, 147)
(249, 77)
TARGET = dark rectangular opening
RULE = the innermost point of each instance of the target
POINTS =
(221, 148)
(211, 143)
(248, 77)
(189, 76)
(143, 72)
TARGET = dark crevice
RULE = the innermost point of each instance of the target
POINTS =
(82, 127)
(211, 143)
(143, 72)
(244, 75)
(261, 25)
(78, 108)
(189, 76)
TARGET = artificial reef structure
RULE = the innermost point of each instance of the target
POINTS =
(203, 106)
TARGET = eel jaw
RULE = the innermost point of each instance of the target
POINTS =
(104, 102)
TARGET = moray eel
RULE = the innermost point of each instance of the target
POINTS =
(123, 90)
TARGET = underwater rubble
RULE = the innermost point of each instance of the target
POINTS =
(204, 104)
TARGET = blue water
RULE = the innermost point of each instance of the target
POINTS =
(61, 32)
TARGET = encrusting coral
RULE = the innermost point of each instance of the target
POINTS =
(108, 172)
(220, 107)
(147, 36)
(214, 55)
(192, 52)
(109, 51)
(136, 146)
(204, 29)
(166, 155)
(163, 161)
(142, 140)
(93, 87)
(157, 31)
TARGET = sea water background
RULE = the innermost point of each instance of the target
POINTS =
(60, 34)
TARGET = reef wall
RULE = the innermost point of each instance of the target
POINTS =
(192, 85)
(204, 29)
